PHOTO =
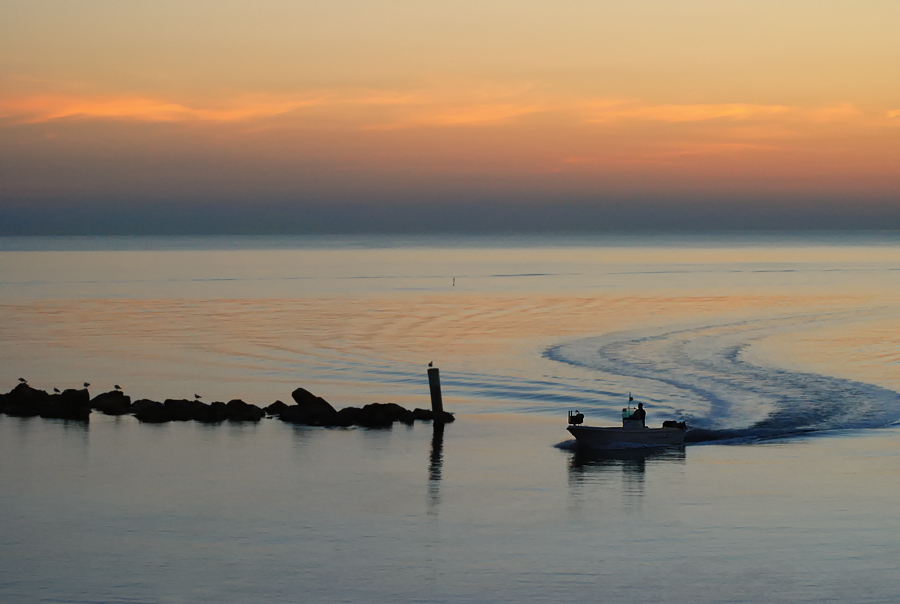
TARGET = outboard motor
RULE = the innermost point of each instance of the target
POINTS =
(575, 417)
(673, 424)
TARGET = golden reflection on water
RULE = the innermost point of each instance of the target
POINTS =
(260, 349)
(866, 350)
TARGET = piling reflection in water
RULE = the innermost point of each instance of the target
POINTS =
(435, 466)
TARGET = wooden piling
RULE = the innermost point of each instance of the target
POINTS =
(437, 403)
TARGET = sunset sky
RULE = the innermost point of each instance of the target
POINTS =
(331, 115)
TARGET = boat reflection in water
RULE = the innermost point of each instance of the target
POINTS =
(629, 461)
(591, 467)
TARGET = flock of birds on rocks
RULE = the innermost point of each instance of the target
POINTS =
(309, 409)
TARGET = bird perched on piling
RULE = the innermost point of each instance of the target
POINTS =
(117, 387)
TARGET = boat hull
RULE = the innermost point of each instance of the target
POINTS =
(624, 438)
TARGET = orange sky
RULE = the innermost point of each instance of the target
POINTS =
(392, 99)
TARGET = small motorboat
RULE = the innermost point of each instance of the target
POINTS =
(632, 434)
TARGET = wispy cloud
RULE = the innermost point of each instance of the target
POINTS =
(441, 104)
(622, 110)
(48, 107)
(392, 109)
(463, 114)
(618, 110)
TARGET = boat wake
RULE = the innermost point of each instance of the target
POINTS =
(702, 374)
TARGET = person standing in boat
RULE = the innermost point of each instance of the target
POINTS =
(640, 414)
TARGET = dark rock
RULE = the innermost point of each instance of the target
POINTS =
(423, 414)
(26, 392)
(24, 401)
(307, 399)
(448, 417)
(428, 415)
(299, 414)
(201, 412)
(151, 412)
(313, 411)
(219, 411)
(239, 411)
(207, 414)
(70, 404)
(275, 408)
(114, 402)
(310, 410)
(176, 409)
(142, 404)
(348, 416)
(376, 415)
(180, 409)
(294, 414)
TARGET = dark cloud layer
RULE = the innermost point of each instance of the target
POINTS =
(188, 217)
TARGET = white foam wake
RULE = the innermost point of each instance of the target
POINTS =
(701, 374)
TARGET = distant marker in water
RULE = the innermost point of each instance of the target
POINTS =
(454, 281)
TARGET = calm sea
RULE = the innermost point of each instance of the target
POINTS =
(781, 350)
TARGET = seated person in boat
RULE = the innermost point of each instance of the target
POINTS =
(640, 414)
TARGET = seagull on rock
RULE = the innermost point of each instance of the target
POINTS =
(197, 396)
(23, 380)
(86, 384)
(56, 390)
(117, 387)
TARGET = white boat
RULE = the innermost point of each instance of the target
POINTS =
(632, 434)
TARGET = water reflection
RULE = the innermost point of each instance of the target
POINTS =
(597, 466)
(630, 461)
(435, 466)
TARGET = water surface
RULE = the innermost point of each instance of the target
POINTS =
(781, 349)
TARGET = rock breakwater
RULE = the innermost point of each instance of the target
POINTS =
(308, 409)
